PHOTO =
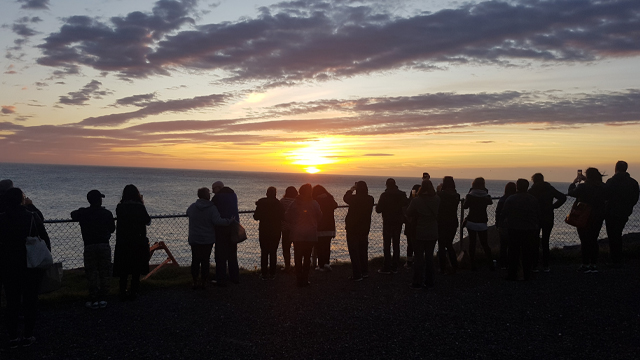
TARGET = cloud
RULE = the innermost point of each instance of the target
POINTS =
(34, 4)
(485, 142)
(137, 100)
(23, 30)
(375, 155)
(7, 109)
(80, 97)
(317, 40)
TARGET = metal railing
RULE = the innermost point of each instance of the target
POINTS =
(67, 245)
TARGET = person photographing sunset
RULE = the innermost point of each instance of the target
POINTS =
(390, 205)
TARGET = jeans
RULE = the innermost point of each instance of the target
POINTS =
(423, 263)
(589, 241)
(358, 245)
(446, 234)
(323, 250)
(97, 269)
(482, 235)
(615, 226)
(521, 248)
(286, 248)
(302, 258)
(544, 242)
(21, 292)
(268, 253)
(200, 259)
(226, 256)
(391, 234)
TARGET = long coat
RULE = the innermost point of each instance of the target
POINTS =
(132, 246)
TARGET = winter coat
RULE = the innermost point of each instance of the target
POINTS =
(425, 209)
(327, 225)
(499, 207)
(448, 212)
(15, 226)
(286, 202)
(303, 216)
(358, 220)
(477, 201)
(592, 194)
(390, 205)
(270, 213)
(521, 211)
(203, 216)
(96, 224)
(623, 192)
(545, 193)
(132, 246)
(227, 203)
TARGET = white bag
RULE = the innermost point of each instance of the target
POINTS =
(38, 255)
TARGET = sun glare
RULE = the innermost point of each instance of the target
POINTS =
(312, 170)
(312, 155)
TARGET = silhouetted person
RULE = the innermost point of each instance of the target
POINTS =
(326, 226)
(131, 256)
(226, 255)
(623, 191)
(20, 283)
(545, 194)
(303, 215)
(521, 214)
(477, 201)
(390, 205)
(358, 224)
(410, 228)
(425, 208)
(203, 217)
(594, 193)
(287, 199)
(270, 213)
(447, 223)
(503, 231)
(97, 225)
(7, 184)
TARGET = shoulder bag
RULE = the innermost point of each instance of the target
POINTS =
(579, 215)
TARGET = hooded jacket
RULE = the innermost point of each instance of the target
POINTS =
(448, 213)
(477, 201)
(545, 193)
(425, 209)
(226, 201)
(358, 220)
(390, 205)
(327, 225)
(623, 195)
(203, 216)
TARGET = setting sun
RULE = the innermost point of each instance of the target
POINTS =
(312, 170)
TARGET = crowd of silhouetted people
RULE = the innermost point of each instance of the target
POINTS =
(304, 218)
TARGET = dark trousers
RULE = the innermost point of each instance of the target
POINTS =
(410, 251)
(323, 250)
(135, 283)
(521, 249)
(358, 245)
(200, 259)
(446, 234)
(97, 269)
(302, 258)
(391, 235)
(226, 256)
(615, 226)
(269, 253)
(482, 235)
(423, 262)
(503, 232)
(21, 291)
(286, 248)
(589, 241)
(543, 242)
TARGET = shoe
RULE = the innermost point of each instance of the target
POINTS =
(13, 344)
(355, 279)
(546, 270)
(365, 275)
(408, 265)
(26, 342)
(415, 286)
(394, 271)
(321, 269)
(535, 271)
(384, 272)
(593, 269)
(327, 267)
(584, 269)
(102, 304)
(91, 305)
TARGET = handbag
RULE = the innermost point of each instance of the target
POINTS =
(579, 215)
(52, 279)
(38, 254)
(238, 233)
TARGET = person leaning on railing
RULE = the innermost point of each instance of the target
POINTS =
(270, 213)
(303, 215)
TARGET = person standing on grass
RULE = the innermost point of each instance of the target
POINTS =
(410, 228)
(131, 256)
(521, 214)
(303, 215)
(270, 213)
(390, 205)
(358, 224)
(593, 192)
(503, 231)
(226, 255)
(477, 201)
(623, 196)
(203, 217)
(21, 284)
(447, 223)
(326, 226)
(545, 194)
(289, 196)
(424, 208)
(97, 225)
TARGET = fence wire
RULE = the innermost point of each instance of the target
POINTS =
(173, 230)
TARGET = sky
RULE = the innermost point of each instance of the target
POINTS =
(499, 89)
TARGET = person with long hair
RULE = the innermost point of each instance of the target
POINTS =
(131, 256)
(503, 231)
(477, 201)
(593, 192)
(270, 214)
(287, 199)
(304, 214)
(425, 208)
(447, 223)
(410, 228)
(358, 224)
(326, 226)
(20, 283)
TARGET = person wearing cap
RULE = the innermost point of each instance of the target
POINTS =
(97, 225)
(390, 205)
(226, 251)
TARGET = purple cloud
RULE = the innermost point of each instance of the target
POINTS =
(80, 97)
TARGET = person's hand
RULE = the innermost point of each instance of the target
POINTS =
(353, 188)
(439, 187)
(28, 201)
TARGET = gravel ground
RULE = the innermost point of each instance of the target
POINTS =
(473, 315)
